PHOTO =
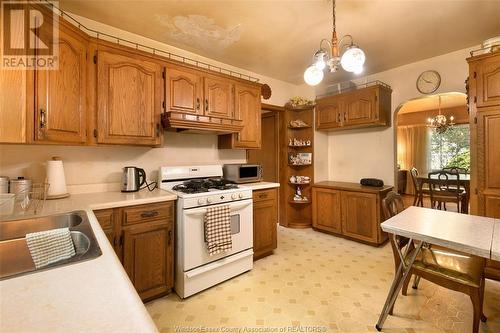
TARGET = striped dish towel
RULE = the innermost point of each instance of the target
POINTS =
(218, 229)
(47, 247)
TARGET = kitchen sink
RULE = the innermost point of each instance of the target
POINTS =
(15, 258)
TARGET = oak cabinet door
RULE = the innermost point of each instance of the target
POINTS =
(105, 217)
(60, 95)
(129, 99)
(488, 153)
(359, 108)
(219, 98)
(328, 114)
(148, 258)
(184, 90)
(326, 210)
(247, 108)
(359, 215)
(488, 82)
(265, 222)
(13, 105)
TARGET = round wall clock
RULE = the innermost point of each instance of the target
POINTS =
(428, 82)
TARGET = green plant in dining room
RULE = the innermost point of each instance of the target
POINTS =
(451, 148)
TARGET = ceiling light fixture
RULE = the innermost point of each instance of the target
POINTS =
(440, 123)
(352, 60)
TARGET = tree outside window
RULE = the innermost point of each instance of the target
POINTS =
(451, 148)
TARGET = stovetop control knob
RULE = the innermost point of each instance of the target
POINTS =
(201, 201)
(234, 196)
(240, 195)
(209, 200)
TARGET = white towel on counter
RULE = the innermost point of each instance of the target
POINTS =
(218, 229)
(47, 247)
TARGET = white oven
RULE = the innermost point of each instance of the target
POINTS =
(196, 270)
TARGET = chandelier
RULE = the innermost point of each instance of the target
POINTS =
(351, 60)
(440, 123)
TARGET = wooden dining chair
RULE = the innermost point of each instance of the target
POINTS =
(444, 187)
(419, 192)
(447, 268)
(461, 171)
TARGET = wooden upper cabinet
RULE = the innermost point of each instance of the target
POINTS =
(247, 107)
(129, 98)
(364, 107)
(326, 214)
(60, 95)
(359, 108)
(183, 90)
(328, 113)
(13, 106)
(359, 211)
(488, 82)
(219, 97)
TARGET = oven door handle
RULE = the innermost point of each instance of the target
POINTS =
(218, 263)
(202, 211)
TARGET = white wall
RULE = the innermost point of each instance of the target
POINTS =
(98, 165)
(356, 154)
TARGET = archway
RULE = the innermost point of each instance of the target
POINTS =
(411, 121)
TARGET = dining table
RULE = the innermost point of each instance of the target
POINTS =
(463, 181)
(474, 235)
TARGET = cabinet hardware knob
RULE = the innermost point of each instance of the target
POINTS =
(197, 103)
(345, 116)
(338, 117)
(152, 213)
(206, 104)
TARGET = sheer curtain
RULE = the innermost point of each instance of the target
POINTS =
(413, 151)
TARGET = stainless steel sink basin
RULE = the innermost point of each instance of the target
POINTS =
(15, 258)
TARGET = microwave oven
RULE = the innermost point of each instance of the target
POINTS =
(243, 173)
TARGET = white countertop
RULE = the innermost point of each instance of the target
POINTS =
(466, 233)
(495, 245)
(91, 296)
(260, 185)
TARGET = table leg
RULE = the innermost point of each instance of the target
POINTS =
(397, 284)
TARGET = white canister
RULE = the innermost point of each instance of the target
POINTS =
(56, 179)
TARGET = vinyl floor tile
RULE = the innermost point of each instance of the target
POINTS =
(323, 283)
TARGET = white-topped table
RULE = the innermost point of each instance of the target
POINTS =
(470, 234)
(495, 245)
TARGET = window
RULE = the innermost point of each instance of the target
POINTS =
(451, 149)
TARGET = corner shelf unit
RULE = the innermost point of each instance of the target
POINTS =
(296, 214)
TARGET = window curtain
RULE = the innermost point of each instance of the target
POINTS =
(413, 151)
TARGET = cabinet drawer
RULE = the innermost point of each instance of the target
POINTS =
(261, 195)
(145, 213)
(105, 218)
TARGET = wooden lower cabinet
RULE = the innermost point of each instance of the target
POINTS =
(148, 257)
(326, 210)
(265, 222)
(143, 239)
(350, 210)
(106, 220)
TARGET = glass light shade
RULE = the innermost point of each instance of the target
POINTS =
(353, 59)
(320, 60)
(313, 75)
(358, 70)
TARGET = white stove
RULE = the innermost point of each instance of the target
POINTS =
(197, 188)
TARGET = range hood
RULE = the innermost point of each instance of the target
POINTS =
(180, 121)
